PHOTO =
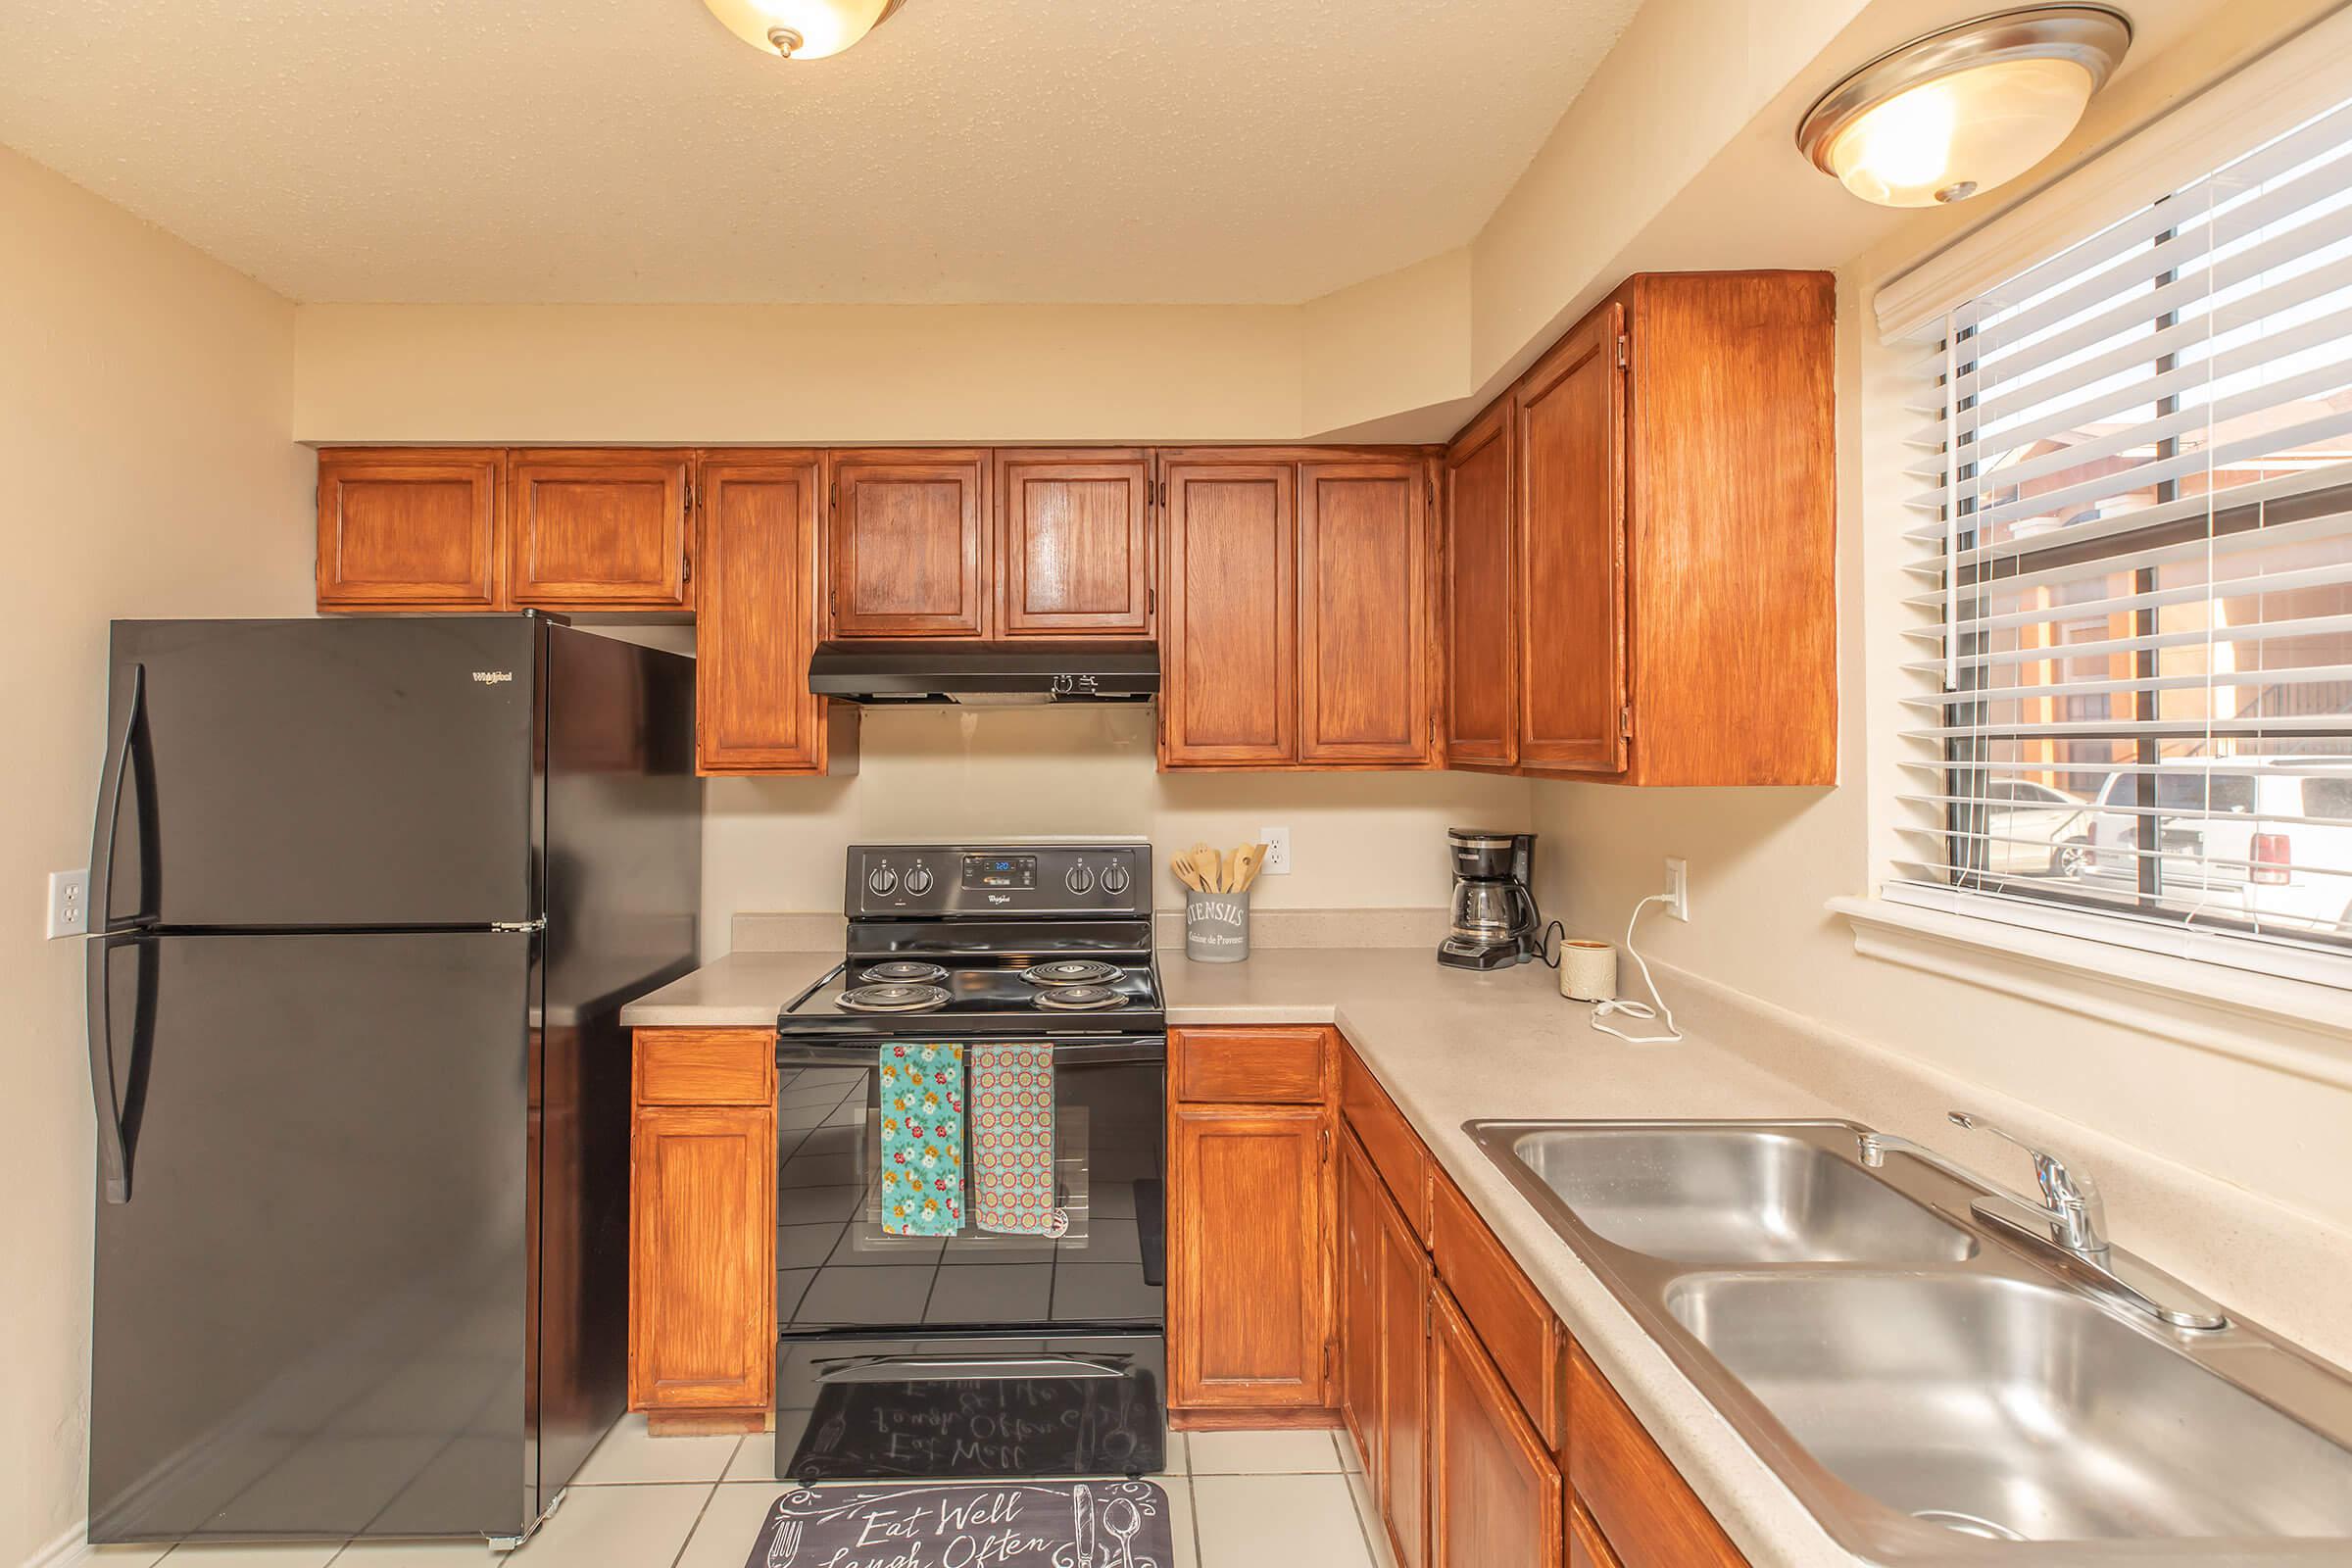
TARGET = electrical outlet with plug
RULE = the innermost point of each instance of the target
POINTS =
(1277, 840)
(1678, 888)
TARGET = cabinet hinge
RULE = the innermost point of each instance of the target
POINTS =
(1623, 351)
(1625, 723)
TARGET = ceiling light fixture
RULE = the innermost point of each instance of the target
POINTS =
(1956, 112)
(801, 30)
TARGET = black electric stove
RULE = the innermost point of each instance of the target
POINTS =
(890, 1344)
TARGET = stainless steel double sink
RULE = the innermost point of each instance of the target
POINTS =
(1933, 1391)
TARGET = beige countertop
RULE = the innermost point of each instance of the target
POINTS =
(1452, 1046)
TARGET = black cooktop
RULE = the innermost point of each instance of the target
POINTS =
(891, 994)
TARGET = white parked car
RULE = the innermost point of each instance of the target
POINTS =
(2271, 837)
(2029, 826)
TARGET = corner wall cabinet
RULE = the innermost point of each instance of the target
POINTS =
(1641, 543)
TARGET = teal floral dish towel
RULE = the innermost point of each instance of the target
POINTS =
(921, 1092)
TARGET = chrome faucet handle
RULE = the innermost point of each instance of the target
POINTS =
(2071, 1198)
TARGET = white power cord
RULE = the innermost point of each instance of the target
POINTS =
(1643, 1011)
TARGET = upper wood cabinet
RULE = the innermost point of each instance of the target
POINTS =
(1301, 605)
(1670, 560)
(759, 620)
(1482, 615)
(600, 530)
(1367, 659)
(1248, 1201)
(409, 528)
(1073, 544)
(1229, 648)
(909, 554)
(1571, 552)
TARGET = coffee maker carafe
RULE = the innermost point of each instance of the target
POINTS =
(1494, 922)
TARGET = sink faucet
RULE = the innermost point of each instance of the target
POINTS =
(2070, 1223)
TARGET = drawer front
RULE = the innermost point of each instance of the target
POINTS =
(705, 1066)
(1250, 1067)
(1644, 1509)
(1395, 1149)
(1512, 1321)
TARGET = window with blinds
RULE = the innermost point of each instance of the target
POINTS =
(2135, 570)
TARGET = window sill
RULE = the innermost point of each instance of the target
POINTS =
(2290, 1025)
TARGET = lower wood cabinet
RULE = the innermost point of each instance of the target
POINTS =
(1638, 1503)
(1248, 1238)
(1407, 1316)
(1495, 1495)
(702, 1229)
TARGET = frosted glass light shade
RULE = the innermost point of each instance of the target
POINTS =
(1962, 111)
(800, 29)
(1948, 139)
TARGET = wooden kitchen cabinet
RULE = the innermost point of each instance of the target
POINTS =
(1073, 544)
(1670, 556)
(599, 529)
(1229, 643)
(1299, 630)
(1250, 1237)
(1356, 1302)
(702, 1229)
(908, 544)
(1573, 716)
(409, 528)
(1482, 617)
(1495, 1495)
(759, 620)
(1639, 1503)
(1367, 659)
(1405, 1325)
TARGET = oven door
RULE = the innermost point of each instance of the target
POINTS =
(840, 1274)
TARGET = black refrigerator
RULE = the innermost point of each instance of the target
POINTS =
(366, 897)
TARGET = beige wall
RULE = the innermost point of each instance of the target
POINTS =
(144, 417)
(1358, 841)
(1764, 862)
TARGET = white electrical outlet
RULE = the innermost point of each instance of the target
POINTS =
(69, 903)
(1277, 840)
(1678, 888)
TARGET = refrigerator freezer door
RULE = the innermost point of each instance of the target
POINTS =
(299, 773)
(311, 1316)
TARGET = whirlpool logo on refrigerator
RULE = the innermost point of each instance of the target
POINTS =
(493, 677)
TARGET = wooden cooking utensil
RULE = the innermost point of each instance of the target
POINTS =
(1204, 866)
(1182, 865)
(1228, 870)
(1247, 859)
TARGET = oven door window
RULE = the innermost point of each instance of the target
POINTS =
(838, 1269)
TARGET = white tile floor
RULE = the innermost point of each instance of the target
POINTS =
(1241, 1499)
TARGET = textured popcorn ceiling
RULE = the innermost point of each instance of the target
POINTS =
(969, 150)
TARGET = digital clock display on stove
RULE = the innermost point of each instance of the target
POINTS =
(1017, 872)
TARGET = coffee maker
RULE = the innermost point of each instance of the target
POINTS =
(1495, 921)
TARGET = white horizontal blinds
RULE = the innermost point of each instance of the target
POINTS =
(2132, 595)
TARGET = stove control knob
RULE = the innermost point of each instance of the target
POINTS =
(1114, 879)
(1080, 880)
(882, 881)
(918, 879)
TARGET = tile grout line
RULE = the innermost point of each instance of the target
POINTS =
(699, 1514)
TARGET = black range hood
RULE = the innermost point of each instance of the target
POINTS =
(975, 674)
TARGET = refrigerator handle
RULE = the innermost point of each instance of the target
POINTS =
(114, 1153)
(118, 743)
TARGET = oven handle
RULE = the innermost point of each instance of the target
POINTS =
(1068, 1051)
(964, 1368)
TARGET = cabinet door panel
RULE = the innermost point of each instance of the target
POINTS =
(701, 1291)
(1405, 1426)
(756, 621)
(1247, 1208)
(1364, 613)
(408, 529)
(597, 530)
(1641, 1504)
(1572, 552)
(909, 556)
(1495, 1495)
(1358, 1303)
(1074, 544)
(1229, 651)
(1482, 640)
